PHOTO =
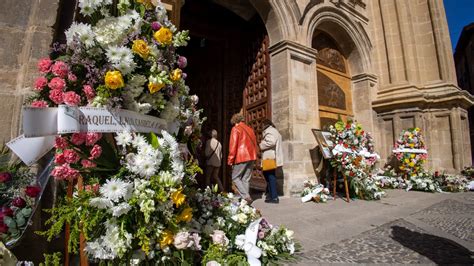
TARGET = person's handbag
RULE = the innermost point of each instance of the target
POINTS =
(269, 164)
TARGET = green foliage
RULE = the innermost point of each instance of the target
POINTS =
(53, 259)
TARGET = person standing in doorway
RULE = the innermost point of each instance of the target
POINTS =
(242, 155)
(272, 158)
(213, 152)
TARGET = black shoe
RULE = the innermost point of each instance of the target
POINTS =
(276, 201)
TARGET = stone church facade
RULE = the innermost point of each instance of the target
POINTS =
(386, 63)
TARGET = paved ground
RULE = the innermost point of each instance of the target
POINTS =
(403, 228)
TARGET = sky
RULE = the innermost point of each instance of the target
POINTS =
(459, 13)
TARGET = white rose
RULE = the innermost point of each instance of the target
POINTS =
(181, 240)
(213, 263)
(218, 237)
(242, 218)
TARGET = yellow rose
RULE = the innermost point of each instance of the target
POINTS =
(166, 238)
(178, 197)
(411, 145)
(114, 80)
(411, 164)
(186, 215)
(164, 36)
(412, 155)
(176, 74)
(407, 160)
(140, 47)
(154, 87)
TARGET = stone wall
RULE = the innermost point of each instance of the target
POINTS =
(26, 30)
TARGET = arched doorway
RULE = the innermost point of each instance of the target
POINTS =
(334, 80)
(228, 67)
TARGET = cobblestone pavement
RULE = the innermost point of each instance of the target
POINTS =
(439, 234)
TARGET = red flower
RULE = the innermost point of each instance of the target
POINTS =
(7, 211)
(3, 228)
(5, 177)
(32, 191)
(18, 202)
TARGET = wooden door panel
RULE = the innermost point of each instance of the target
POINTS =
(257, 93)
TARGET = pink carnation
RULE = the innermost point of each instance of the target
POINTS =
(96, 151)
(89, 92)
(39, 104)
(64, 172)
(71, 156)
(56, 96)
(92, 138)
(71, 98)
(78, 138)
(60, 69)
(88, 164)
(57, 84)
(59, 159)
(40, 83)
(44, 65)
(60, 143)
(71, 77)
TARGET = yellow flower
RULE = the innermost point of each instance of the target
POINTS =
(412, 155)
(411, 145)
(178, 197)
(407, 160)
(114, 80)
(164, 36)
(186, 215)
(154, 87)
(176, 74)
(147, 3)
(166, 238)
(411, 164)
(140, 47)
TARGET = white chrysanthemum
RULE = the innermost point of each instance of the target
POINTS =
(81, 32)
(119, 210)
(101, 203)
(121, 58)
(115, 189)
(88, 7)
(124, 138)
(139, 141)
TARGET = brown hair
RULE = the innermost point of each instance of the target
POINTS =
(236, 118)
(266, 123)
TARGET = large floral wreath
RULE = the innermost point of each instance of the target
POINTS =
(410, 151)
(138, 201)
(355, 157)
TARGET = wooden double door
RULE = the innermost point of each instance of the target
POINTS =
(229, 69)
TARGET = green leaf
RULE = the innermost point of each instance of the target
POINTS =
(9, 222)
(20, 220)
(154, 141)
(26, 212)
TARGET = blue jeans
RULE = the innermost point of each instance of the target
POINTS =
(270, 177)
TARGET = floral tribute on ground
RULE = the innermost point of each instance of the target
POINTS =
(138, 202)
(355, 157)
(18, 195)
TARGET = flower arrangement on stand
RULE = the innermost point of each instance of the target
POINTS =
(314, 191)
(133, 195)
(410, 151)
(355, 157)
(18, 193)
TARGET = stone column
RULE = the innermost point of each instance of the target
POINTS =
(295, 108)
(363, 86)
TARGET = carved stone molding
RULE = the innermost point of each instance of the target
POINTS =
(297, 51)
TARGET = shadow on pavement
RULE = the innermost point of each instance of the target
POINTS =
(437, 249)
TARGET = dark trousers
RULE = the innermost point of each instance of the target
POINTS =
(270, 177)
